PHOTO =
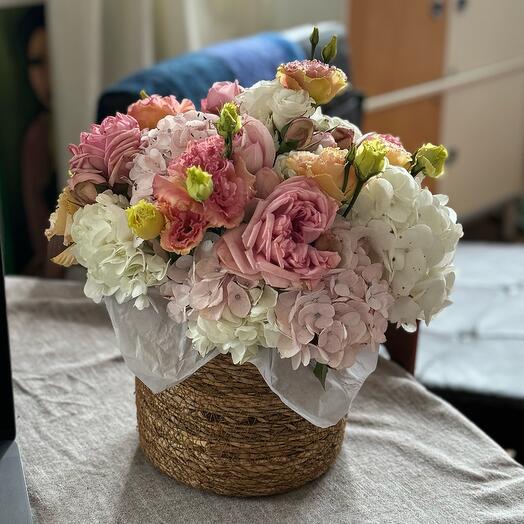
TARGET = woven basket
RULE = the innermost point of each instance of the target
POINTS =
(224, 430)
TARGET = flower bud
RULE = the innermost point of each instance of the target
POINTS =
(370, 158)
(430, 160)
(229, 122)
(199, 183)
(145, 220)
(313, 40)
(299, 132)
(329, 52)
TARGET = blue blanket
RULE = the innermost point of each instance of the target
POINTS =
(191, 75)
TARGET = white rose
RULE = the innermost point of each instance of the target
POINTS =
(255, 101)
(287, 104)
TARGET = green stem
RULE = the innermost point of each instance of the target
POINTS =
(358, 189)
(347, 167)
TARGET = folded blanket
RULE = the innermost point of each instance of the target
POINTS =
(191, 75)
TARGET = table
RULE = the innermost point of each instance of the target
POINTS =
(408, 456)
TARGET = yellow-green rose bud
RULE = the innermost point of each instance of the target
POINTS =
(144, 220)
(229, 122)
(430, 160)
(370, 158)
(199, 183)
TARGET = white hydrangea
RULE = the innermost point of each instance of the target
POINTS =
(241, 337)
(116, 263)
(415, 235)
(165, 142)
(274, 105)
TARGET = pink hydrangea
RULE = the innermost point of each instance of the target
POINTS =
(164, 143)
(344, 315)
(276, 244)
(104, 153)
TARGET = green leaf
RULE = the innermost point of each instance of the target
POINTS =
(286, 147)
(321, 371)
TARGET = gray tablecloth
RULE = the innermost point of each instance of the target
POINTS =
(408, 457)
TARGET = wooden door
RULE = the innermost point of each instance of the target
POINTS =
(396, 44)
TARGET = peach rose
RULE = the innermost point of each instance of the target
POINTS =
(322, 81)
(327, 169)
(148, 111)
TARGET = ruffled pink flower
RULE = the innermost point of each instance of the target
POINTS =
(232, 182)
(148, 111)
(219, 94)
(396, 153)
(254, 145)
(104, 154)
(276, 243)
(184, 230)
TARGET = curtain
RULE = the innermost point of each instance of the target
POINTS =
(94, 43)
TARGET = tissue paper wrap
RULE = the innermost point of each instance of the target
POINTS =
(157, 351)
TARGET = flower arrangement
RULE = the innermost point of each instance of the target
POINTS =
(261, 223)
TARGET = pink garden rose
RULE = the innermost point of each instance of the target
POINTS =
(104, 154)
(276, 243)
(219, 94)
(254, 144)
(232, 183)
(148, 111)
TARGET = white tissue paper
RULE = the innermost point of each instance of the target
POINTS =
(157, 351)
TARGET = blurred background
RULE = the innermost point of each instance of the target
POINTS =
(444, 71)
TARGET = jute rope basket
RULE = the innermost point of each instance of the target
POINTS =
(224, 430)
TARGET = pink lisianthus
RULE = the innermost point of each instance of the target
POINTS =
(232, 183)
(104, 154)
(322, 81)
(148, 111)
(254, 145)
(276, 243)
(184, 229)
(396, 153)
(186, 222)
(219, 94)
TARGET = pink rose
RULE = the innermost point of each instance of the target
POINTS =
(299, 133)
(232, 183)
(219, 94)
(148, 111)
(276, 243)
(254, 144)
(343, 136)
(105, 152)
